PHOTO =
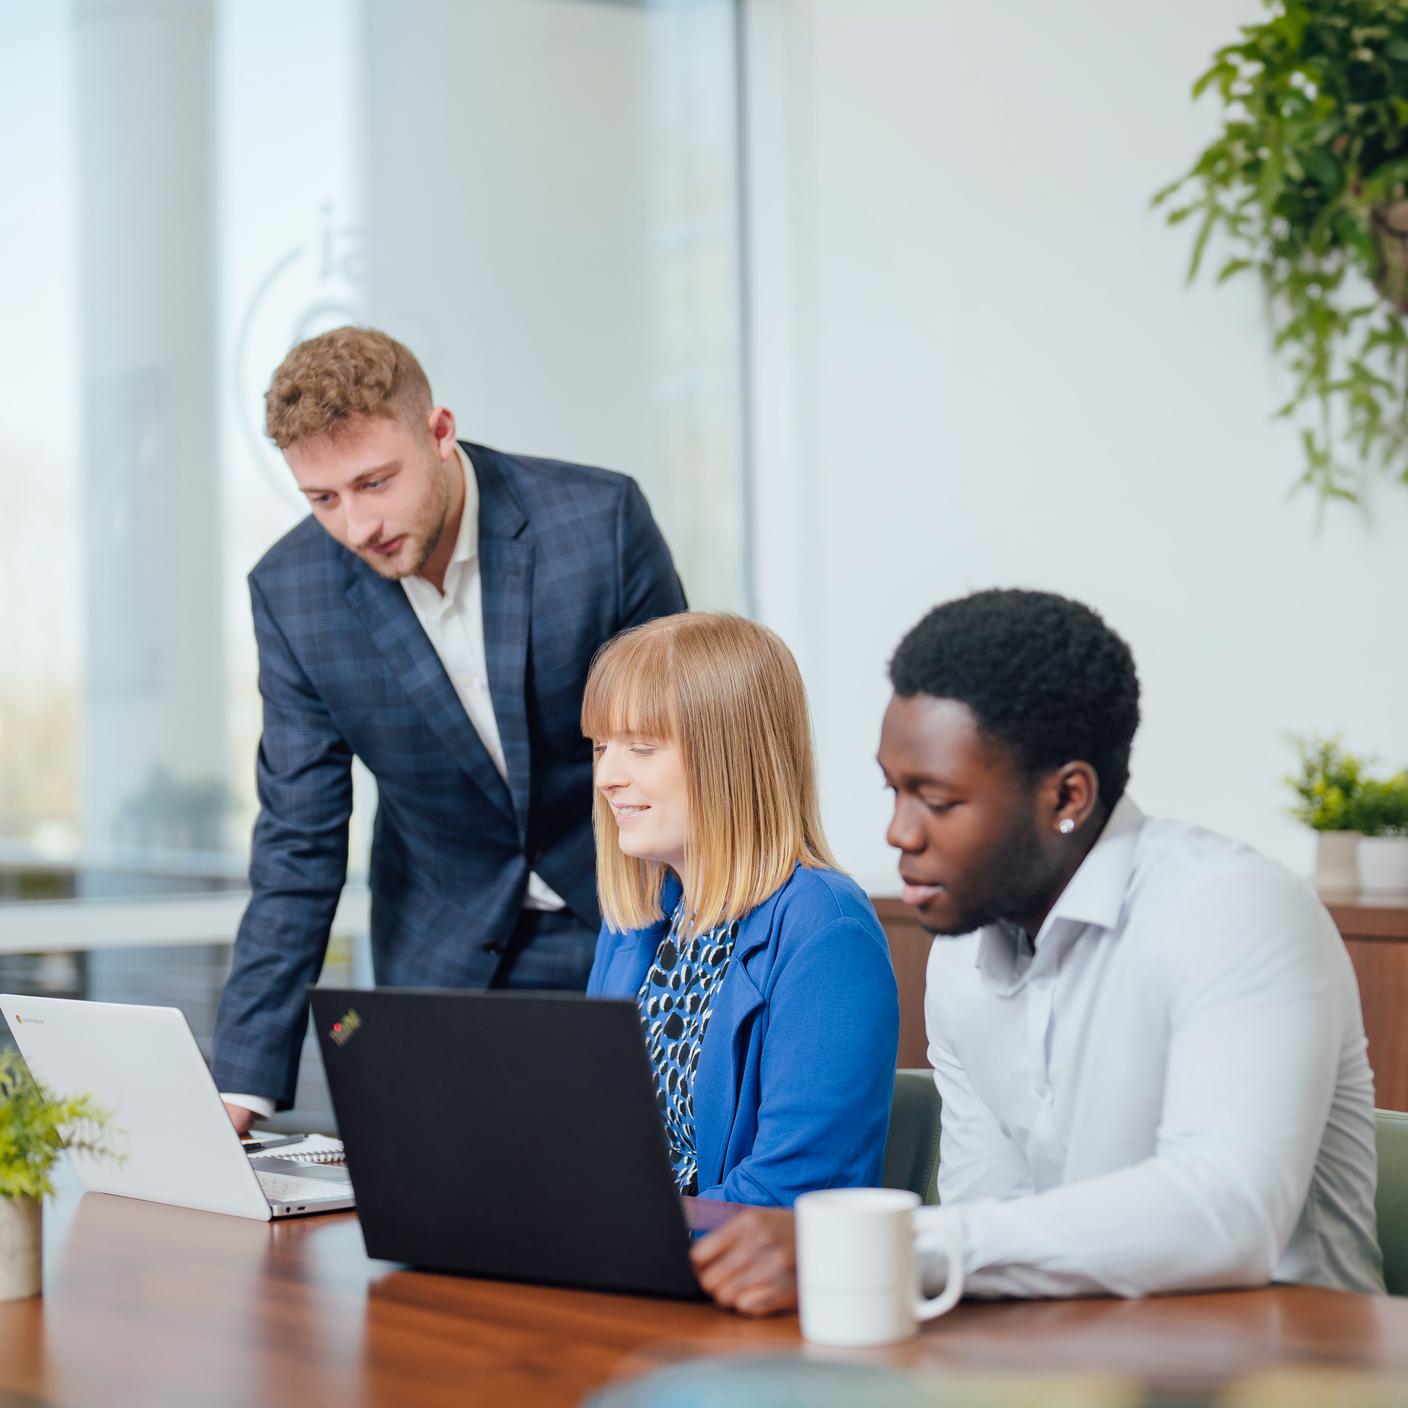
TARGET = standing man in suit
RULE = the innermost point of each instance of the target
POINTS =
(435, 616)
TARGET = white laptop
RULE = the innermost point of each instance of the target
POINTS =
(142, 1065)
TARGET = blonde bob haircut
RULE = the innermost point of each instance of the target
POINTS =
(729, 693)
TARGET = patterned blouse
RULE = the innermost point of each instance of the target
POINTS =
(675, 1001)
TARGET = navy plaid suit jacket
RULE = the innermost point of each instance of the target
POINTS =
(569, 556)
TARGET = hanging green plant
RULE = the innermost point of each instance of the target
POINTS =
(1307, 185)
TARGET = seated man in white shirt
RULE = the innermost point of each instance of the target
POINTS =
(1147, 1038)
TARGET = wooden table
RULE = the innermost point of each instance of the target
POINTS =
(153, 1305)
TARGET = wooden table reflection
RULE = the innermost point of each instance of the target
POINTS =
(152, 1305)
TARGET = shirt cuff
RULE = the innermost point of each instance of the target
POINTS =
(541, 895)
(935, 1230)
(259, 1105)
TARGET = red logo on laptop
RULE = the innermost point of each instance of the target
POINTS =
(342, 1032)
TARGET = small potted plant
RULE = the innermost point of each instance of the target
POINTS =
(1380, 815)
(1326, 786)
(34, 1127)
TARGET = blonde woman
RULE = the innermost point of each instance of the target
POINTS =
(761, 972)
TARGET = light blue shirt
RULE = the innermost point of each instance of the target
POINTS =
(1169, 1090)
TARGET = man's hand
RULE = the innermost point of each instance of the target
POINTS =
(240, 1118)
(750, 1263)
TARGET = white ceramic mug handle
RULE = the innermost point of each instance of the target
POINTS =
(930, 1307)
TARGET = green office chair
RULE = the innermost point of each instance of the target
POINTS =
(1392, 1204)
(912, 1150)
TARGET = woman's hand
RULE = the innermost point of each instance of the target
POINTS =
(750, 1263)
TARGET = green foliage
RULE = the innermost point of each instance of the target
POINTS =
(1327, 786)
(35, 1126)
(1381, 808)
(1306, 185)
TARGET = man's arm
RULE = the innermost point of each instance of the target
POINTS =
(298, 863)
(243, 1109)
(1256, 1014)
(650, 586)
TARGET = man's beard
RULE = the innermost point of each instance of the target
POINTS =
(1012, 882)
(393, 568)
(421, 540)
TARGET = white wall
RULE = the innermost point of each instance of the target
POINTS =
(975, 364)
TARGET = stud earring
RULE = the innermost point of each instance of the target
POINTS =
(1065, 826)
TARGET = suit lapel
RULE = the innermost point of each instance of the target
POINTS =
(506, 577)
(397, 634)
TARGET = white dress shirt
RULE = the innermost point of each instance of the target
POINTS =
(1169, 1090)
(453, 621)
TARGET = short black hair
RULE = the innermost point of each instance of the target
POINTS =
(1041, 673)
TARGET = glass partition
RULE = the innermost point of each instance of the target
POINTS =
(538, 196)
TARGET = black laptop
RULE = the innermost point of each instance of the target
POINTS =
(505, 1134)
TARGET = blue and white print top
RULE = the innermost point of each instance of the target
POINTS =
(675, 1001)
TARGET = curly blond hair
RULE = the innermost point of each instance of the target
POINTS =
(347, 372)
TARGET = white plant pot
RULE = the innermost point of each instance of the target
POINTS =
(1383, 864)
(21, 1247)
(1336, 860)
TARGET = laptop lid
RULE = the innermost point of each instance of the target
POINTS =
(142, 1064)
(505, 1134)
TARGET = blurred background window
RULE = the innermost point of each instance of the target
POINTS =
(540, 197)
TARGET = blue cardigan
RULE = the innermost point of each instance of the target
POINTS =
(797, 1067)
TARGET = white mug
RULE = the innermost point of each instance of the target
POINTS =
(857, 1277)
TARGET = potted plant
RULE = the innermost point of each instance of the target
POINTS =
(1306, 186)
(1326, 786)
(1380, 815)
(34, 1127)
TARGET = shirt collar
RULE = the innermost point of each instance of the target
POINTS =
(1094, 897)
(467, 539)
(422, 595)
(1095, 893)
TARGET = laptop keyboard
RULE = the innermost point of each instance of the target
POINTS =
(279, 1189)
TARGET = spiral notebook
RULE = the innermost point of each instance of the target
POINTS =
(314, 1149)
